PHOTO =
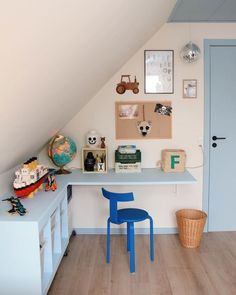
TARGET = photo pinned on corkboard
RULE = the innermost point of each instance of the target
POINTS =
(143, 120)
(163, 109)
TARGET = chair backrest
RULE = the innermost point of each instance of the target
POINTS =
(113, 199)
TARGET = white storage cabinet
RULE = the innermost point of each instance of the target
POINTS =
(32, 246)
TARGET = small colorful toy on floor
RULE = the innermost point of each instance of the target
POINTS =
(17, 207)
(51, 184)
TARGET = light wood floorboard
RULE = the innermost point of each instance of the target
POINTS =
(209, 269)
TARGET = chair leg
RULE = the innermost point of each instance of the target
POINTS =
(132, 247)
(151, 239)
(128, 236)
(108, 241)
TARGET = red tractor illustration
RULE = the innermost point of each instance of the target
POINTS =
(127, 85)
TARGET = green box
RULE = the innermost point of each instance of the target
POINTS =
(128, 158)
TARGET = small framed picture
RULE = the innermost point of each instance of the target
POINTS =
(190, 88)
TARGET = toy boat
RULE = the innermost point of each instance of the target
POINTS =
(29, 178)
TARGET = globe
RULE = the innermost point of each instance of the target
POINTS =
(62, 150)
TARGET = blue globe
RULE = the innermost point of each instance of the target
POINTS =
(62, 150)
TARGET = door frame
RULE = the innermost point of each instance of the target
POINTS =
(208, 43)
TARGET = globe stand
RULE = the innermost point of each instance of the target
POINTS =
(62, 171)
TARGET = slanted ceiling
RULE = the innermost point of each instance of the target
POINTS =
(55, 55)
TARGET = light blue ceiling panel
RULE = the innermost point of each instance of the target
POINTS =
(204, 11)
(225, 13)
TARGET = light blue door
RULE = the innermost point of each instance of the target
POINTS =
(222, 137)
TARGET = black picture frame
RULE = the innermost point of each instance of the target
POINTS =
(158, 71)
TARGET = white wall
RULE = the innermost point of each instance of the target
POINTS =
(90, 210)
(55, 56)
(6, 181)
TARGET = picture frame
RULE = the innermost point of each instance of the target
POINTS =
(189, 88)
(158, 71)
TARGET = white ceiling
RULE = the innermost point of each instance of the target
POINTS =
(55, 55)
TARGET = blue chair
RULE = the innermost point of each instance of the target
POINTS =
(129, 215)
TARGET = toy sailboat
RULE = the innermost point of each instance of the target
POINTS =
(29, 178)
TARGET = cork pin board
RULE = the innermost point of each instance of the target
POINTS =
(130, 113)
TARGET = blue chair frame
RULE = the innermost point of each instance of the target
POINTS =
(129, 215)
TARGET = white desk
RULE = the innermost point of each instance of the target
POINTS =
(25, 268)
(148, 176)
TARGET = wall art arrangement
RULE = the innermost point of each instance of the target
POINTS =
(190, 88)
(159, 71)
(143, 120)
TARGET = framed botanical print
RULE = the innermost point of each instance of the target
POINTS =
(159, 71)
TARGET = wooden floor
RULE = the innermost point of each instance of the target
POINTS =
(210, 269)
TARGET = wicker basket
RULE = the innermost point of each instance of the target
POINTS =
(191, 223)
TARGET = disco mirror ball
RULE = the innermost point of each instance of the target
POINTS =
(190, 53)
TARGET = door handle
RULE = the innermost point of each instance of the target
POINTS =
(217, 138)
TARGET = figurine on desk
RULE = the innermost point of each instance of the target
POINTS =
(103, 145)
(17, 207)
(89, 162)
(51, 184)
(100, 163)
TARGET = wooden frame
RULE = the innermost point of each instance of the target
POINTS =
(189, 88)
(96, 152)
(126, 126)
(159, 71)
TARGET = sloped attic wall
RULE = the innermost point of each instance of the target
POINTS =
(187, 126)
(55, 55)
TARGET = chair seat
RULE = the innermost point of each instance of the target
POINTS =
(131, 215)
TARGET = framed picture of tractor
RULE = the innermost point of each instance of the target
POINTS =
(159, 71)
